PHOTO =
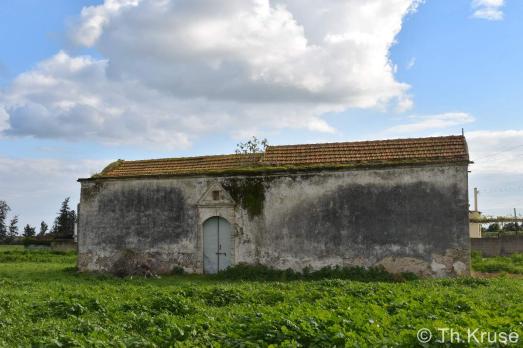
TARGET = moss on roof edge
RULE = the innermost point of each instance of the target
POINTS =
(279, 169)
(108, 168)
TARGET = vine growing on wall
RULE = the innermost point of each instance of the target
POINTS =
(248, 192)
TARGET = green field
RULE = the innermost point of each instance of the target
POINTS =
(510, 264)
(44, 302)
(11, 247)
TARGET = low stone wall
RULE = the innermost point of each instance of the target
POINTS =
(64, 245)
(501, 246)
(37, 247)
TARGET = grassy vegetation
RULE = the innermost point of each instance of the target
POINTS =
(4, 248)
(44, 302)
(261, 272)
(19, 255)
(509, 264)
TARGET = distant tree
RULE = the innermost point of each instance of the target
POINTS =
(252, 146)
(511, 226)
(13, 229)
(29, 231)
(43, 229)
(4, 210)
(494, 227)
(70, 224)
(63, 226)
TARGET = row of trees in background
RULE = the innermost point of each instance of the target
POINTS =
(63, 226)
(507, 227)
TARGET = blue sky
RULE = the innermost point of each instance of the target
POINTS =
(462, 69)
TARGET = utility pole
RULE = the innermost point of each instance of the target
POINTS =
(476, 192)
(515, 221)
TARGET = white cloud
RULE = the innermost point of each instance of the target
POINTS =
(497, 170)
(48, 181)
(440, 121)
(496, 151)
(176, 70)
(488, 9)
(88, 28)
(4, 120)
(499, 193)
(411, 63)
(405, 103)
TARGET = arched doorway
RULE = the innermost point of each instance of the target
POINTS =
(216, 245)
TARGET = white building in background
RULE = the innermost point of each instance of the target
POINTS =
(475, 227)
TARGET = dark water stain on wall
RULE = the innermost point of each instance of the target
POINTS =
(91, 191)
(361, 217)
(142, 217)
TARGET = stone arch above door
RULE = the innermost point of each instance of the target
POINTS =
(215, 196)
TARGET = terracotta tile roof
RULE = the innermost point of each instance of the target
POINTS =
(451, 148)
(309, 156)
(180, 166)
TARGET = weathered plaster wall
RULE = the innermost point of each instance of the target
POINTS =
(404, 218)
(147, 225)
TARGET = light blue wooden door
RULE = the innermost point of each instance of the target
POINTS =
(216, 245)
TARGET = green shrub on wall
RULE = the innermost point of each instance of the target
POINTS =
(248, 192)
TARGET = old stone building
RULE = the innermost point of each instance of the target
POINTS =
(399, 203)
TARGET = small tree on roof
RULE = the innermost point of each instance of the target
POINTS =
(252, 146)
